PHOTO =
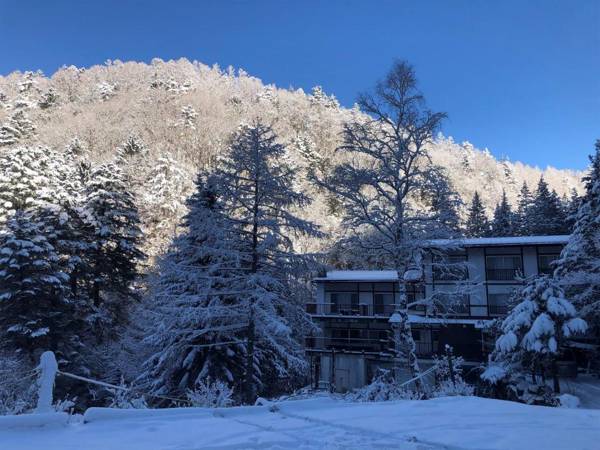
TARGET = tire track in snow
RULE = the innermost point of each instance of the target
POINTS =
(416, 443)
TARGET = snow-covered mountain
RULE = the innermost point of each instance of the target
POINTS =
(184, 113)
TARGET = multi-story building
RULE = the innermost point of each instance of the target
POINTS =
(469, 280)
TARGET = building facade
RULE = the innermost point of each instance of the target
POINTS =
(462, 284)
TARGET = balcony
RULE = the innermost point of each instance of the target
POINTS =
(347, 309)
(349, 344)
(502, 274)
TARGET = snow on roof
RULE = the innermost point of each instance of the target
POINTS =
(501, 241)
(360, 275)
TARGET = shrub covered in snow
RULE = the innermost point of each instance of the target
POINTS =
(384, 388)
(450, 382)
(126, 398)
(17, 386)
(209, 394)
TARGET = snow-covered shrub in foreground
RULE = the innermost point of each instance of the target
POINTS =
(126, 399)
(17, 386)
(447, 385)
(383, 388)
(209, 394)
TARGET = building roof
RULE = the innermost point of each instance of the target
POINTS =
(360, 275)
(500, 241)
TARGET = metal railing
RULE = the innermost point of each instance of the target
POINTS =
(502, 274)
(349, 343)
(345, 309)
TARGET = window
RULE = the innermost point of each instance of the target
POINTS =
(544, 263)
(344, 302)
(451, 268)
(498, 304)
(415, 292)
(383, 303)
(503, 268)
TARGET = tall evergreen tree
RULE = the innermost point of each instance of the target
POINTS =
(578, 267)
(256, 185)
(546, 217)
(477, 224)
(503, 222)
(198, 319)
(36, 313)
(522, 219)
(112, 218)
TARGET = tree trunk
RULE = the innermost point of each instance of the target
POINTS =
(555, 380)
(250, 392)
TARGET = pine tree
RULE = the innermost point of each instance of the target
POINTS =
(578, 267)
(445, 205)
(502, 224)
(546, 217)
(194, 308)
(477, 222)
(522, 218)
(112, 218)
(256, 186)
(18, 128)
(49, 99)
(534, 332)
(36, 313)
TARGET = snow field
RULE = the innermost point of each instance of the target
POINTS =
(324, 423)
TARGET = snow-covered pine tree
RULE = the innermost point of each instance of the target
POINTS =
(132, 147)
(546, 217)
(445, 205)
(164, 202)
(256, 186)
(36, 313)
(112, 216)
(522, 217)
(195, 309)
(578, 267)
(477, 224)
(570, 208)
(535, 330)
(17, 128)
(387, 169)
(48, 99)
(503, 221)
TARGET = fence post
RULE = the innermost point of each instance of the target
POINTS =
(48, 368)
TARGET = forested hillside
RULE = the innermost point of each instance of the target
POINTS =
(182, 113)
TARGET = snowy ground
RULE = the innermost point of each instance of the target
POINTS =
(322, 422)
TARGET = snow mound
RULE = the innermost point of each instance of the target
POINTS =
(33, 420)
(569, 401)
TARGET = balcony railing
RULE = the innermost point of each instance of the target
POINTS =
(349, 343)
(345, 309)
(502, 274)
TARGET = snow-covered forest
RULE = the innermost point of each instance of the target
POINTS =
(161, 223)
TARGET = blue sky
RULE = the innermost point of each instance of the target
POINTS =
(519, 77)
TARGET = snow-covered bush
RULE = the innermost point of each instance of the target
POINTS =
(126, 398)
(209, 394)
(449, 381)
(383, 388)
(17, 386)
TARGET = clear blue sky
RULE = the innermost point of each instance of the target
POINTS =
(519, 77)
